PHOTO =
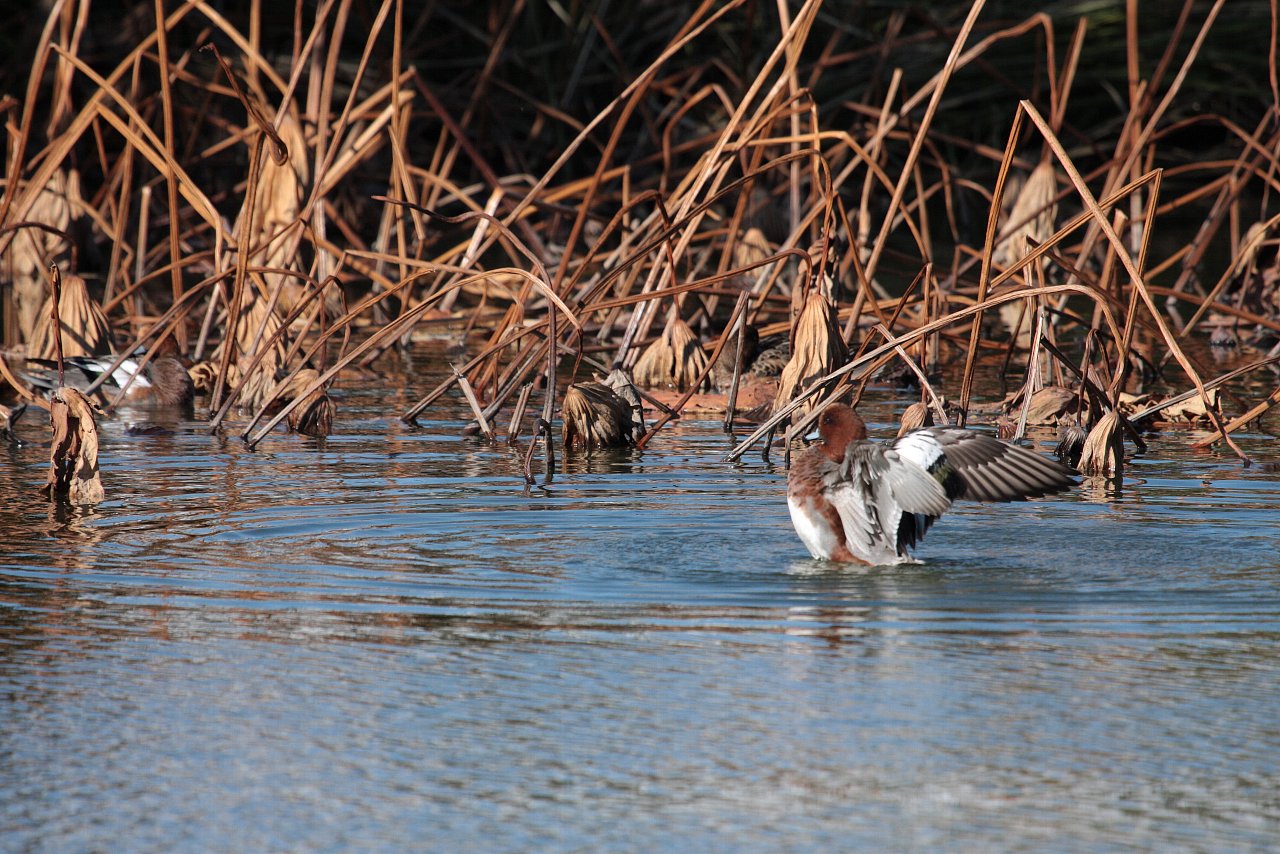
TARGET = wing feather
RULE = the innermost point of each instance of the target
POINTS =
(988, 469)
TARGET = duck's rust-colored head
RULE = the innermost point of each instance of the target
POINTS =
(837, 427)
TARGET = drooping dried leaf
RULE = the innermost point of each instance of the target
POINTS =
(1192, 410)
(33, 250)
(203, 374)
(1103, 451)
(675, 359)
(255, 315)
(280, 193)
(1071, 439)
(314, 416)
(73, 456)
(1050, 404)
(816, 350)
(751, 249)
(914, 417)
(84, 327)
(595, 416)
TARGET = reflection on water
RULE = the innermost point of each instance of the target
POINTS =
(383, 638)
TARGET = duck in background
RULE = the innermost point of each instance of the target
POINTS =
(162, 382)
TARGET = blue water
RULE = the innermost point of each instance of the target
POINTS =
(383, 641)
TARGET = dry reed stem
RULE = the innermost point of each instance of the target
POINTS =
(1136, 280)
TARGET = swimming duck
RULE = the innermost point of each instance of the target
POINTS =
(162, 382)
(858, 501)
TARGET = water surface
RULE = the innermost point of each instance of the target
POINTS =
(381, 641)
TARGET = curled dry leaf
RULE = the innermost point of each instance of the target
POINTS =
(203, 375)
(1192, 410)
(620, 381)
(596, 416)
(1051, 403)
(73, 456)
(816, 350)
(1071, 439)
(84, 327)
(314, 416)
(914, 417)
(675, 359)
(1103, 451)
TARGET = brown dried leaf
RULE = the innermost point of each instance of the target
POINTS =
(1103, 452)
(280, 193)
(314, 416)
(1034, 200)
(675, 359)
(33, 250)
(254, 315)
(1071, 439)
(204, 374)
(73, 456)
(1192, 410)
(914, 417)
(1050, 403)
(595, 416)
(816, 350)
(620, 381)
(84, 327)
(751, 249)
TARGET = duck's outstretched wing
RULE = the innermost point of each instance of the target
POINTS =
(885, 503)
(980, 467)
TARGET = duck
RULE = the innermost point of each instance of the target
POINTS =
(163, 382)
(856, 501)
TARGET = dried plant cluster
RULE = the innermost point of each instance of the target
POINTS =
(283, 200)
